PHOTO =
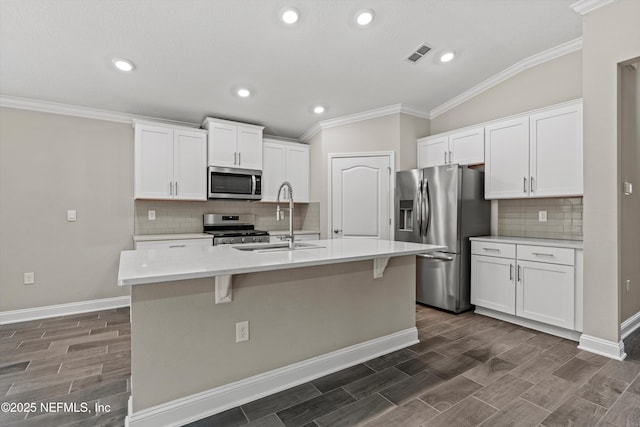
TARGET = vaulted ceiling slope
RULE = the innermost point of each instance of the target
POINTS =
(191, 55)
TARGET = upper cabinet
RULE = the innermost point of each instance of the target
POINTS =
(234, 144)
(537, 155)
(285, 161)
(170, 162)
(464, 148)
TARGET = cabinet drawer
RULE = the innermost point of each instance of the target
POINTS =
(547, 254)
(171, 244)
(502, 250)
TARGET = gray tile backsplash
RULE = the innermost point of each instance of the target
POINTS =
(186, 217)
(519, 218)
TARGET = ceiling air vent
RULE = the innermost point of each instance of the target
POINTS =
(419, 53)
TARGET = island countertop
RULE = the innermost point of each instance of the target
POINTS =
(166, 265)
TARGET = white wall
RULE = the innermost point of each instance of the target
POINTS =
(50, 163)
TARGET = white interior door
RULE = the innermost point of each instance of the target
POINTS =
(360, 197)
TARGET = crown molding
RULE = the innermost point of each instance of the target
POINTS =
(79, 111)
(365, 115)
(585, 6)
(532, 61)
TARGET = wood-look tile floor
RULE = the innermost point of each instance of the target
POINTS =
(467, 370)
(79, 361)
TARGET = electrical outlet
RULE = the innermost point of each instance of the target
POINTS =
(72, 215)
(628, 285)
(542, 216)
(29, 278)
(242, 331)
(151, 215)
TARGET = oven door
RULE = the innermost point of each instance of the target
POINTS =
(231, 183)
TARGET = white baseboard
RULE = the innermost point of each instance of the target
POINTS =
(611, 349)
(630, 325)
(197, 406)
(531, 324)
(35, 313)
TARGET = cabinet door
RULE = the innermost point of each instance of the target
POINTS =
(190, 165)
(545, 292)
(467, 148)
(153, 162)
(298, 171)
(556, 152)
(249, 148)
(493, 283)
(506, 158)
(436, 151)
(223, 145)
(422, 153)
(274, 170)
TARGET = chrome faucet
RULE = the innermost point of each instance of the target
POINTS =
(290, 236)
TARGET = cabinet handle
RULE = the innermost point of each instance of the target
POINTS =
(519, 274)
(524, 185)
(449, 156)
(533, 184)
(239, 159)
(176, 188)
(445, 157)
(491, 249)
(170, 188)
(541, 254)
(510, 271)
(235, 158)
(177, 246)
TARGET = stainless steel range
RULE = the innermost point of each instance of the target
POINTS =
(230, 229)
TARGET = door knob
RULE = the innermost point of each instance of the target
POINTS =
(337, 231)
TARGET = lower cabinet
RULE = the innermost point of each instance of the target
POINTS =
(527, 281)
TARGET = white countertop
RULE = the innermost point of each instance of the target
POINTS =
(155, 237)
(556, 243)
(165, 265)
(283, 232)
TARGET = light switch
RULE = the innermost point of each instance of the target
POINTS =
(72, 215)
(628, 188)
(151, 215)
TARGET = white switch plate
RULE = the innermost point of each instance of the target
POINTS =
(628, 188)
(151, 215)
(242, 331)
(72, 215)
(542, 216)
(29, 278)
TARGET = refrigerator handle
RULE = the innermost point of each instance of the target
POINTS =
(437, 258)
(427, 207)
(419, 207)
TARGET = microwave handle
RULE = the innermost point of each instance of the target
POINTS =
(253, 184)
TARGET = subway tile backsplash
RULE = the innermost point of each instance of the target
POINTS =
(519, 218)
(186, 217)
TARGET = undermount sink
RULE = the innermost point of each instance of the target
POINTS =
(275, 247)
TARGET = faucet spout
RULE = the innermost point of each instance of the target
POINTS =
(289, 191)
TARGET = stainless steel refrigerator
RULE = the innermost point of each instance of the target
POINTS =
(442, 205)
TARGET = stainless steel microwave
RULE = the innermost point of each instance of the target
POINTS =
(233, 183)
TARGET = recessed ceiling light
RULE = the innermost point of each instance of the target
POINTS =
(290, 15)
(447, 56)
(365, 17)
(123, 64)
(243, 92)
(319, 109)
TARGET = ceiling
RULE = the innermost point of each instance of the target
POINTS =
(191, 55)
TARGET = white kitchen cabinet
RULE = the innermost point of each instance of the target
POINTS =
(536, 155)
(234, 144)
(285, 161)
(492, 283)
(528, 281)
(555, 152)
(464, 148)
(507, 159)
(170, 162)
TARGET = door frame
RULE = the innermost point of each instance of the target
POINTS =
(391, 155)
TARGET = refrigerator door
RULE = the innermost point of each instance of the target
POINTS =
(408, 216)
(441, 201)
(437, 277)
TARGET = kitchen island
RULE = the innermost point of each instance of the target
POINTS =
(310, 311)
